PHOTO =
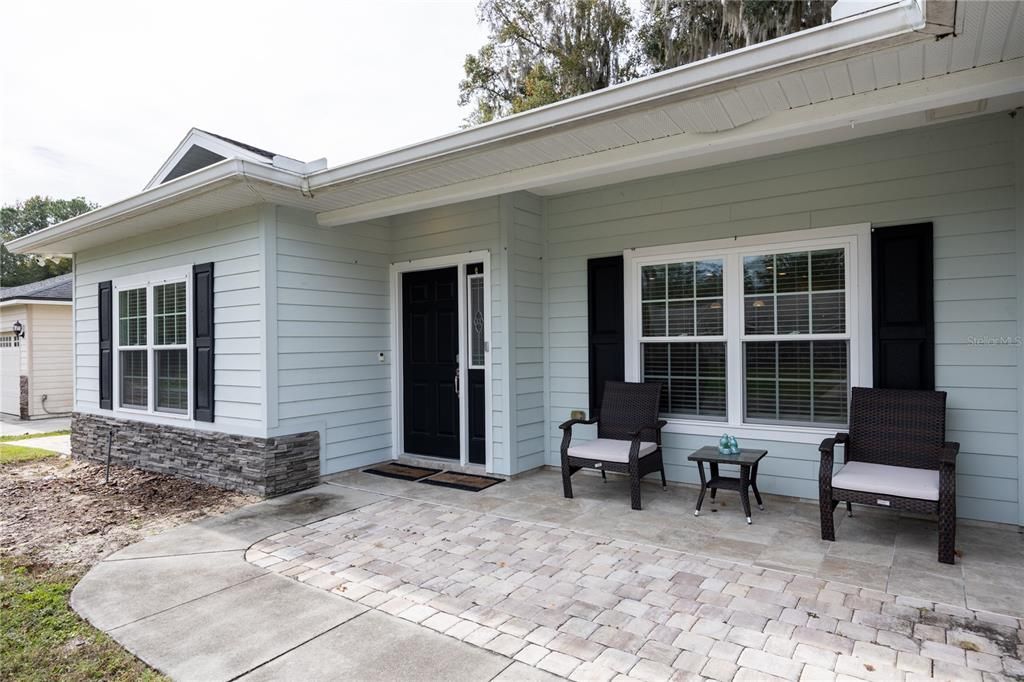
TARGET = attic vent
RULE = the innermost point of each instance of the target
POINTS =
(195, 158)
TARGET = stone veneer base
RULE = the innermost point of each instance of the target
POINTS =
(261, 466)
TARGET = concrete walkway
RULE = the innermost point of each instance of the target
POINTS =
(187, 603)
(61, 444)
(12, 426)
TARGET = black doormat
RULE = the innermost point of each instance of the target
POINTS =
(401, 471)
(470, 482)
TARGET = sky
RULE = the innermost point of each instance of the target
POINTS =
(94, 96)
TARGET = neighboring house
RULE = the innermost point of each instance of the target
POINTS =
(35, 348)
(758, 231)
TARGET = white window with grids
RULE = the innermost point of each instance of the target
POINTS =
(758, 334)
(682, 340)
(153, 370)
(795, 337)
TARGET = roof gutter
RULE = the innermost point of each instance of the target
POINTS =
(25, 300)
(204, 180)
(900, 18)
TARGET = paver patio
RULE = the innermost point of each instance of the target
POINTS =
(877, 550)
(586, 605)
(582, 588)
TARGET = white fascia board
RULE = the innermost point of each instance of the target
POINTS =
(797, 129)
(895, 19)
(203, 180)
(31, 301)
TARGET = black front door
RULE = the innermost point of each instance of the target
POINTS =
(430, 347)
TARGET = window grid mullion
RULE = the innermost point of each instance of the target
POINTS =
(810, 297)
(778, 387)
(810, 350)
(775, 293)
(696, 379)
(668, 378)
(735, 305)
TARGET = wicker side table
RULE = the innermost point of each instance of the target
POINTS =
(747, 461)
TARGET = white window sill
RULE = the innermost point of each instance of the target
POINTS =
(130, 412)
(782, 433)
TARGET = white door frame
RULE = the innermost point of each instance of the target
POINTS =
(460, 260)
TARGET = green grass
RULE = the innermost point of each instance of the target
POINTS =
(10, 454)
(43, 639)
(7, 439)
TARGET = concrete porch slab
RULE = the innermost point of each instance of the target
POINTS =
(228, 633)
(313, 504)
(376, 646)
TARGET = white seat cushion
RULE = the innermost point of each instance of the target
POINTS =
(608, 449)
(918, 484)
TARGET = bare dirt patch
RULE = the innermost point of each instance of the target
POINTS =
(58, 510)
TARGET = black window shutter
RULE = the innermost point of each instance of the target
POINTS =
(606, 310)
(202, 342)
(903, 307)
(106, 330)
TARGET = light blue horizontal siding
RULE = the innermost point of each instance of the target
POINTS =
(232, 241)
(332, 321)
(959, 176)
(524, 224)
(333, 318)
(458, 228)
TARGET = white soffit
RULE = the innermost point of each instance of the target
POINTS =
(992, 32)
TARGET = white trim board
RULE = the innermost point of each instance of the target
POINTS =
(856, 239)
(271, 329)
(1018, 139)
(460, 260)
(31, 301)
(148, 281)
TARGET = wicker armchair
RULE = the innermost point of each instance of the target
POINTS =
(896, 457)
(628, 437)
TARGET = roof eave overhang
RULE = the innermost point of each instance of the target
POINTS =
(876, 113)
(23, 300)
(900, 21)
(221, 174)
(895, 23)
